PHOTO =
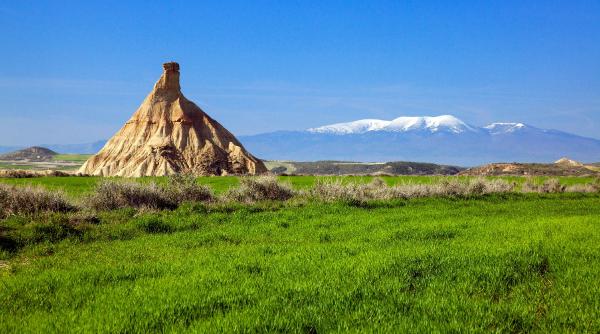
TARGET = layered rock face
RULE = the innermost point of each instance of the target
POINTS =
(169, 134)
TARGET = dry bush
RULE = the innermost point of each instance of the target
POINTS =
(331, 190)
(260, 188)
(596, 183)
(112, 194)
(549, 186)
(471, 187)
(529, 186)
(20, 173)
(499, 186)
(31, 200)
(184, 188)
(581, 188)
(379, 190)
(552, 186)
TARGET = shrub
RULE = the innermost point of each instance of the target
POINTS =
(596, 183)
(581, 188)
(549, 186)
(253, 189)
(20, 173)
(378, 190)
(499, 186)
(329, 190)
(111, 194)
(114, 194)
(184, 188)
(31, 200)
(552, 186)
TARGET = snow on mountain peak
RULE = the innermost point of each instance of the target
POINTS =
(447, 123)
(499, 128)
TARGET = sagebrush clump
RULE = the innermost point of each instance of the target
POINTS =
(31, 200)
(379, 190)
(260, 188)
(114, 194)
(582, 188)
(185, 188)
(548, 186)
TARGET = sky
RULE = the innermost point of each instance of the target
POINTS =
(75, 71)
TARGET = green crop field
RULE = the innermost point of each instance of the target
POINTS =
(72, 157)
(496, 263)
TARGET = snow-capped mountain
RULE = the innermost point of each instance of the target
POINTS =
(444, 123)
(441, 139)
(500, 128)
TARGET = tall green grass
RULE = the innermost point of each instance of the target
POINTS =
(501, 263)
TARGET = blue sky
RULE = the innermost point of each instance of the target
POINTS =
(75, 71)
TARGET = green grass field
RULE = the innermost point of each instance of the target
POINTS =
(77, 186)
(72, 157)
(6, 165)
(501, 263)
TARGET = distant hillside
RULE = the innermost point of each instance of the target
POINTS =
(522, 169)
(360, 168)
(34, 153)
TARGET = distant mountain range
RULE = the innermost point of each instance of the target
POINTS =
(442, 139)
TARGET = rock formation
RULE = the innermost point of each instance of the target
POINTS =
(169, 134)
(568, 162)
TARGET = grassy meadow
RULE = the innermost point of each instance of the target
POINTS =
(78, 186)
(509, 262)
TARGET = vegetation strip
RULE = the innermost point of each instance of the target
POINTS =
(500, 262)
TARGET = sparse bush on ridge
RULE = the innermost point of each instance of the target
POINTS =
(31, 200)
(260, 188)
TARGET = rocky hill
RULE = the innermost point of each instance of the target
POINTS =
(169, 134)
(34, 153)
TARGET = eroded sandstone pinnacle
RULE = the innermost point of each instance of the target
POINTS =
(169, 134)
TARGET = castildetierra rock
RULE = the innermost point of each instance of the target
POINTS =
(169, 134)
